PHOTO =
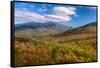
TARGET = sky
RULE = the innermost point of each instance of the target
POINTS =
(69, 15)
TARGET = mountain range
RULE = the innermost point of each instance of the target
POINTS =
(40, 29)
(85, 29)
(55, 43)
(33, 29)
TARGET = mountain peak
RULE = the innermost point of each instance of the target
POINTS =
(48, 28)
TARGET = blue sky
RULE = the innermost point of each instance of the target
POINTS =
(64, 14)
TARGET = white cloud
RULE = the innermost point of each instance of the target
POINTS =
(32, 6)
(30, 16)
(59, 14)
(92, 7)
(42, 10)
(58, 18)
(64, 11)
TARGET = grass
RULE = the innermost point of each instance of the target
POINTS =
(32, 51)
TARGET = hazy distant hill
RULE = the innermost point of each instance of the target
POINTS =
(40, 29)
(86, 29)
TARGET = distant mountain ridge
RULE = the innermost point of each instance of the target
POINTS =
(39, 29)
(88, 28)
(34, 25)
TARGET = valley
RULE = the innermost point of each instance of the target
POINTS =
(46, 45)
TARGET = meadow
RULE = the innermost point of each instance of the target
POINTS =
(55, 50)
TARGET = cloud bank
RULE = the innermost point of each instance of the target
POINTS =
(58, 14)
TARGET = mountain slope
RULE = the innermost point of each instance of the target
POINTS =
(76, 45)
(86, 29)
(40, 29)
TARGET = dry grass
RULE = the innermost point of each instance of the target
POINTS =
(52, 51)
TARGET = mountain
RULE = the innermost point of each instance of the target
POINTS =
(40, 29)
(72, 46)
(86, 29)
